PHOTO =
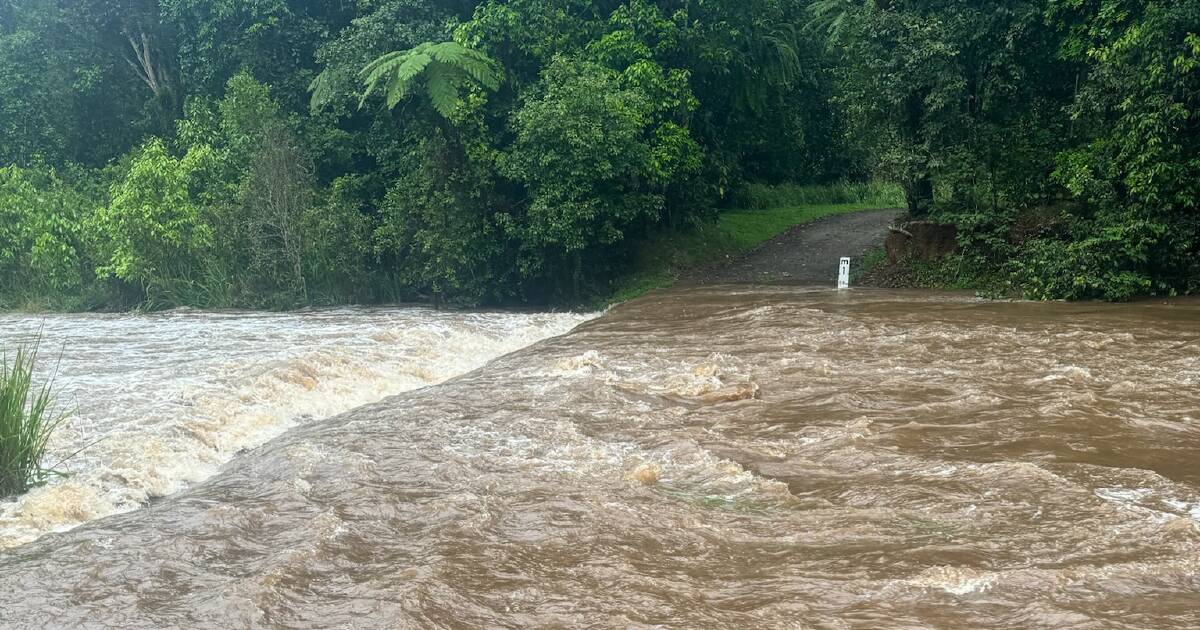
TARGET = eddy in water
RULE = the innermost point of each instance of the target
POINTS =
(709, 458)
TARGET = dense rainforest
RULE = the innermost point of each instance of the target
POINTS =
(272, 153)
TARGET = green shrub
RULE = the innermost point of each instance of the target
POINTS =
(42, 232)
(157, 226)
(871, 260)
(1100, 267)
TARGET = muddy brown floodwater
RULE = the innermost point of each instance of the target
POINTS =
(723, 457)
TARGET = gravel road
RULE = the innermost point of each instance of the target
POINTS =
(807, 254)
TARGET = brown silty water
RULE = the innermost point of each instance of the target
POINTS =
(726, 457)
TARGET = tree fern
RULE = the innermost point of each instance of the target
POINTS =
(774, 58)
(442, 89)
(444, 69)
(828, 15)
(323, 89)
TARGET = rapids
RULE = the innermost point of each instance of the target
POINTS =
(725, 457)
(161, 401)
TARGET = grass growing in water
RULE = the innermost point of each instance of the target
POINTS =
(27, 421)
(768, 212)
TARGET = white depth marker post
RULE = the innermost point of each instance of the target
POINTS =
(844, 274)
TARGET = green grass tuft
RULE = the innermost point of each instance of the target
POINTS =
(27, 421)
(875, 258)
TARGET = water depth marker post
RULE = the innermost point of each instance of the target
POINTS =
(844, 274)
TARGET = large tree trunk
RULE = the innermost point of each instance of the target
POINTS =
(152, 70)
(918, 195)
(918, 186)
(577, 276)
(143, 62)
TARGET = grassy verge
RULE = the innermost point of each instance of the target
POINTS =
(767, 213)
(956, 272)
(27, 421)
(872, 261)
(876, 194)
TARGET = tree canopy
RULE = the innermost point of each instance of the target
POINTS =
(271, 154)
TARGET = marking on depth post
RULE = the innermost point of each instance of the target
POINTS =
(844, 274)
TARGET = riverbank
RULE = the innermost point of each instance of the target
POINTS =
(760, 213)
(954, 272)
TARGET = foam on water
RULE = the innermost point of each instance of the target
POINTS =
(162, 401)
(728, 457)
(954, 580)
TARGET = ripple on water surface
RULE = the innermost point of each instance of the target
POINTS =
(737, 457)
(162, 401)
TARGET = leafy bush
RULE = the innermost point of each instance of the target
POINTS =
(1107, 264)
(43, 232)
(583, 153)
(337, 238)
(438, 237)
(158, 225)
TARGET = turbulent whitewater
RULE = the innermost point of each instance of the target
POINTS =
(161, 401)
(727, 457)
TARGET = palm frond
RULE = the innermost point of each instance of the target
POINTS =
(442, 89)
(781, 61)
(830, 16)
(447, 67)
(382, 60)
(322, 90)
(396, 91)
(481, 68)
